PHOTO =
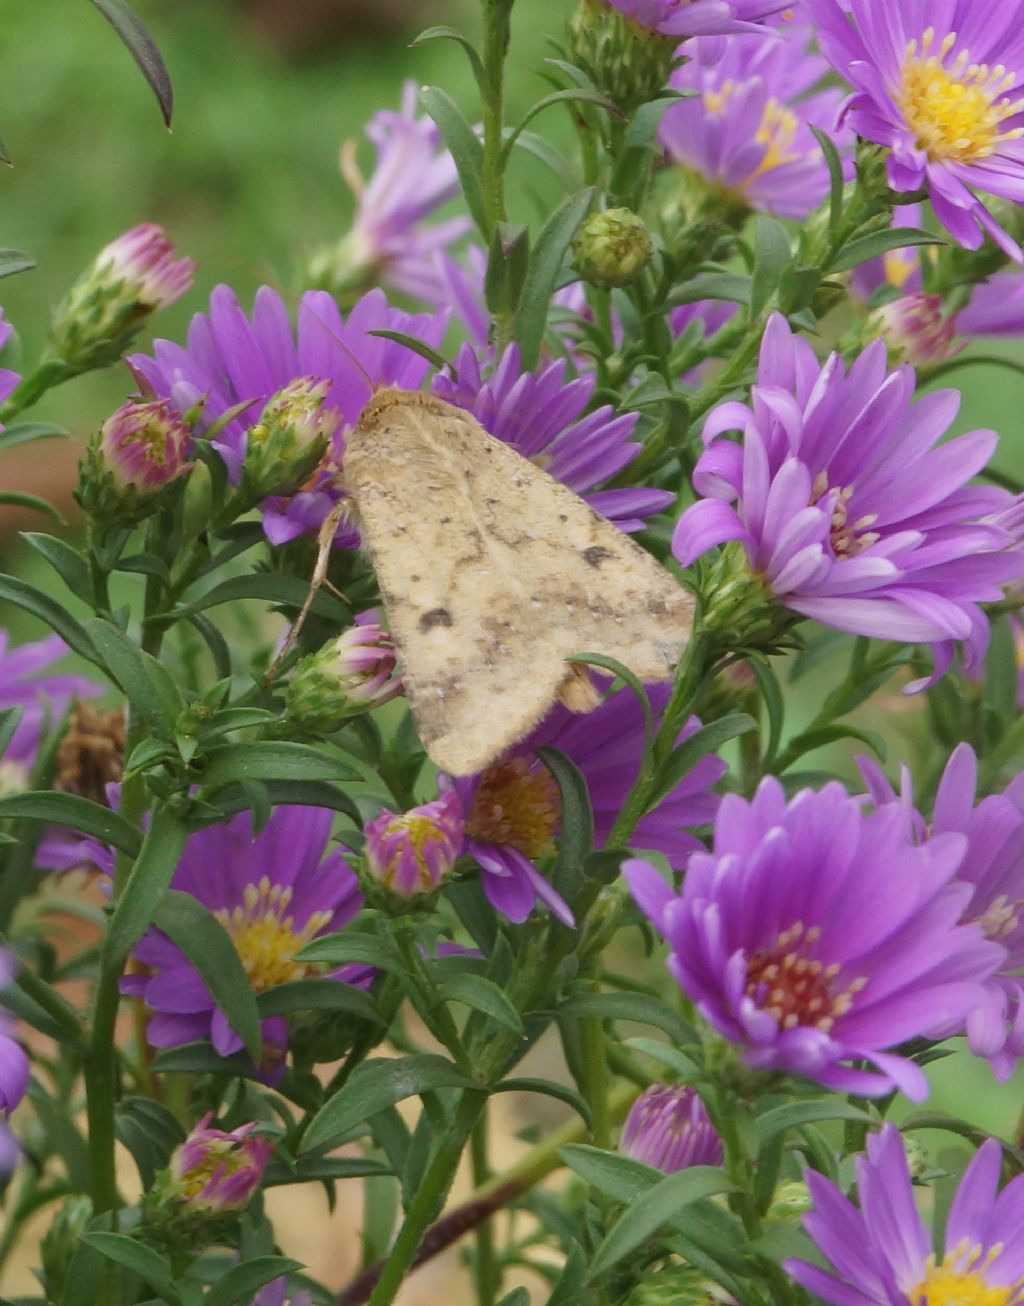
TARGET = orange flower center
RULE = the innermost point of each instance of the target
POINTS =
(789, 983)
(516, 804)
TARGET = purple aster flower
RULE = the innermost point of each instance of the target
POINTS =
(993, 870)
(391, 241)
(43, 695)
(668, 1128)
(273, 894)
(216, 1171)
(543, 417)
(814, 935)
(513, 812)
(275, 1293)
(882, 1254)
(845, 507)
(684, 18)
(747, 128)
(939, 87)
(410, 854)
(14, 1070)
(8, 379)
(231, 359)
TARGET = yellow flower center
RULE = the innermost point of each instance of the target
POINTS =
(847, 538)
(516, 805)
(777, 131)
(955, 110)
(960, 1280)
(266, 938)
(794, 987)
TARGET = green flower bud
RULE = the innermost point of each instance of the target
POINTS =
(351, 675)
(628, 63)
(612, 248)
(289, 441)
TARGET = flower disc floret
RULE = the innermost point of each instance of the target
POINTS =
(845, 508)
(813, 936)
(939, 87)
(881, 1253)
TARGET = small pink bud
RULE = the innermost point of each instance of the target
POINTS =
(145, 261)
(669, 1129)
(351, 675)
(218, 1171)
(917, 331)
(146, 446)
(410, 854)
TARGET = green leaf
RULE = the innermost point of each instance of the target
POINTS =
(357, 949)
(507, 265)
(444, 33)
(417, 346)
(685, 756)
(569, 1289)
(772, 253)
(482, 995)
(16, 499)
(574, 94)
(618, 1177)
(655, 1208)
(291, 793)
(204, 1059)
(465, 148)
(13, 261)
(147, 883)
(1002, 674)
(793, 1114)
(728, 286)
(878, 243)
(142, 1260)
(576, 839)
(135, 35)
(638, 1007)
(771, 694)
(317, 994)
(209, 947)
(548, 1087)
(685, 1067)
(67, 562)
(28, 432)
(546, 261)
(376, 1085)
(269, 760)
(150, 1132)
(77, 813)
(9, 718)
(310, 1169)
(26, 596)
(269, 587)
(126, 666)
(835, 173)
(242, 1281)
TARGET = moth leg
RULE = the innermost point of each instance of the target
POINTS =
(326, 541)
(577, 691)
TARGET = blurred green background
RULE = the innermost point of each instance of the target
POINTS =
(248, 181)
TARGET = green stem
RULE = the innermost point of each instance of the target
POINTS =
(430, 1197)
(101, 1091)
(488, 1274)
(32, 388)
(497, 14)
(595, 1072)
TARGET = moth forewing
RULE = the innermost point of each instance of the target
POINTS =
(492, 574)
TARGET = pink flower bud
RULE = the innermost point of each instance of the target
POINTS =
(144, 260)
(145, 446)
(411, 854)
(351, 675)
(668, 1128)
(917, 331)
(218, 1171)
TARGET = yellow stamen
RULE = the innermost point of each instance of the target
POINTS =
(777, 131)
(786, 981)
(266, 939)
(961, 1279)
(955, 109)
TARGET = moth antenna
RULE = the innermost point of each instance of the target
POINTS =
(373, 385)
(326, 541)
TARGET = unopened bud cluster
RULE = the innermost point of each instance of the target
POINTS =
(625, 61)
(612, 248)
(141, 450)
(287, 443)
(133, 277)
(351, 675)
(916, 330)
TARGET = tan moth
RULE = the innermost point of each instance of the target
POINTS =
(492, 574)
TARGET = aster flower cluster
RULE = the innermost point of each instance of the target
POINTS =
(363, 828)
